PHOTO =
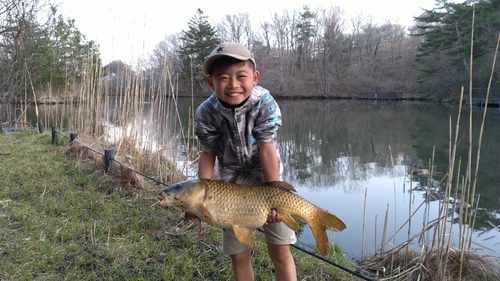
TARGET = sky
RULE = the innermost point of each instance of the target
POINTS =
(128, 30)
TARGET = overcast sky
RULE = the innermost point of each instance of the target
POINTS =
(130, 29)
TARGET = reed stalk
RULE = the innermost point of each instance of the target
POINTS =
(461, 222)
(364, 226)
(429, 189)
(409, 212)
(395, 203)
(384, 234)
(375, 240)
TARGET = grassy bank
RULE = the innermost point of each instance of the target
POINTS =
(63, 218)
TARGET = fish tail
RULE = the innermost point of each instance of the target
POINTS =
(330, 221)
(319, 226)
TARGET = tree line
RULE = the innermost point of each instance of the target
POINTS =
(300, 53)
(40, 51)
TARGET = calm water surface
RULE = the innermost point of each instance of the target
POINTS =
(335, 152)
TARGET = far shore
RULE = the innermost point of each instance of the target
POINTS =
(379, 96)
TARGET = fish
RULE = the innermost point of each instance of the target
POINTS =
(245, 205)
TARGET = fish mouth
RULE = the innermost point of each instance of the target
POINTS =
(166, 201)
(163, 199)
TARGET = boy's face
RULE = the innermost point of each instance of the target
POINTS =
(233, 84)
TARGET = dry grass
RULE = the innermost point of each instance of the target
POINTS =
(412, 265)
(124, 171)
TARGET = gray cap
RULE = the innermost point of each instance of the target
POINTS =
(231, 49)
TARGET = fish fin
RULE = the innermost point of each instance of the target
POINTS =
(321, 238)
(206, 181)
(331, 221)
(289, 221)
(205, 211)
(243, 234)
(282, 184)
(319, 226)
(246, 179)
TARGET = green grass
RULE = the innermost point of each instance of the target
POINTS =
(62, 218)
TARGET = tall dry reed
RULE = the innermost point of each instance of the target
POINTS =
(136, 116)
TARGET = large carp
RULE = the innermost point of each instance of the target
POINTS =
(241, 207)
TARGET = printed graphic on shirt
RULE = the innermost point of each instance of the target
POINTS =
(251, 140)
(273, 121)
(266, 99)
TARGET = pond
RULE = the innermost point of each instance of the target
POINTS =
(353, 158)
(342, 155)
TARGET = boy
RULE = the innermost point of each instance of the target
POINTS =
(237, 125)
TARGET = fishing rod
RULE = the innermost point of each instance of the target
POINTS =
(327, 260)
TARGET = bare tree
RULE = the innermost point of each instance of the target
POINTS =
(20, 38)
(266, 32)
(283, 66)
(314, 51)
(236, 28)
(331, 58)
(165, 63)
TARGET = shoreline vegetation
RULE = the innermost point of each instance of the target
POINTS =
(63, 215)
(385, 96)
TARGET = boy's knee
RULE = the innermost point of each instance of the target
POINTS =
(279, 253)
(241, 257)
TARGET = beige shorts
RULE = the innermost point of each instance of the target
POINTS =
(276, 233)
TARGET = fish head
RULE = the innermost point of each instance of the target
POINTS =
(185, 194)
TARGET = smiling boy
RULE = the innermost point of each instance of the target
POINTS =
(237, 125)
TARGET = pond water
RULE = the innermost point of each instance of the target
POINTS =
(343, 155)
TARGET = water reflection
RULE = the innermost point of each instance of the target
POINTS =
(335, 151)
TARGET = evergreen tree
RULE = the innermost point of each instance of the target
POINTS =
(65, 55)
(198, 41)
(444, 56)
(306, 32)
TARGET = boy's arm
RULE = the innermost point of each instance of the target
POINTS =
(269, 161)
(206, 164)
(270, 169)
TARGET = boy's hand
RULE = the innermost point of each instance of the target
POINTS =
(273, 217)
